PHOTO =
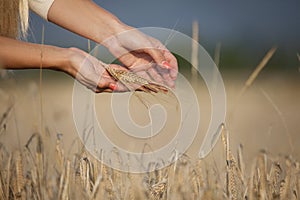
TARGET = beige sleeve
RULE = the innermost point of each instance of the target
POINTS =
(40, 7)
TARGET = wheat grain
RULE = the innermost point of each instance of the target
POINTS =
(285, 194)
(231, 176)
(158, 190)
(282, 192)
(195, 182)
(274, 182)
(59, 154)
(132, 81)
(18, 173)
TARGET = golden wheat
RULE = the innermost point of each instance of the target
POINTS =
(133, 82)
(270, 178)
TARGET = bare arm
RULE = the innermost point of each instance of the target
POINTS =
(86, 69)
(134, 49)
(89, 20)
(85, 18)
(16, 54)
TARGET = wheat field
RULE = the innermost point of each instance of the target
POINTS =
(257, 156)
(49, 163)
(30, 173)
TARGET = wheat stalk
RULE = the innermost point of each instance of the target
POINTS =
(195, 44)
(64, 195)
(258, 69)
(2, 189)
(240, 159)
(261, 163)
(252, 78)
(96, 187)
(8, 175)
(61, 184)
(297, 178)
(132, 81)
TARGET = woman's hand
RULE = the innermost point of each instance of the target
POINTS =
(137, 51)
(144, 55)
(90, 72)
(85, 68)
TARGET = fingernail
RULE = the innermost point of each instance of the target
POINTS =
(113, 86)
(166, 64)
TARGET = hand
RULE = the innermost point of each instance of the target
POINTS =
(144, 55)
(140, 53)
(91, 72)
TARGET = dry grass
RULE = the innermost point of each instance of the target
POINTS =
(29, 173)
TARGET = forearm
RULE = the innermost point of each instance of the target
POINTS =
(16, 54)
(85, 18)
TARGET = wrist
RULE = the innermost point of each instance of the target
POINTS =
(114, 28)
(56, 58)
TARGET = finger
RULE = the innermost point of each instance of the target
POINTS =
(105, 90)
(155, 75)
(168, 80)
(136, 61)
(165, 74)
(143, 74)
(122, 55)
(114, 86)
(90, 87)
(173, 63)
(120, 87)
(97, 85)
(157, 55)
(85, 82)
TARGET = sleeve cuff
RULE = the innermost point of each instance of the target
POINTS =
(41, 7)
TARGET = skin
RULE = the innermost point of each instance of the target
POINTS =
(137, 52)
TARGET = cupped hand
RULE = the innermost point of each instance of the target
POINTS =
(144, 55)
(91, 72)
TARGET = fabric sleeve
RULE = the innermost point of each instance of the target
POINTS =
(40, 7)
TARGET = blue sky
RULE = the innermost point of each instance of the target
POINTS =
(254, 23)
